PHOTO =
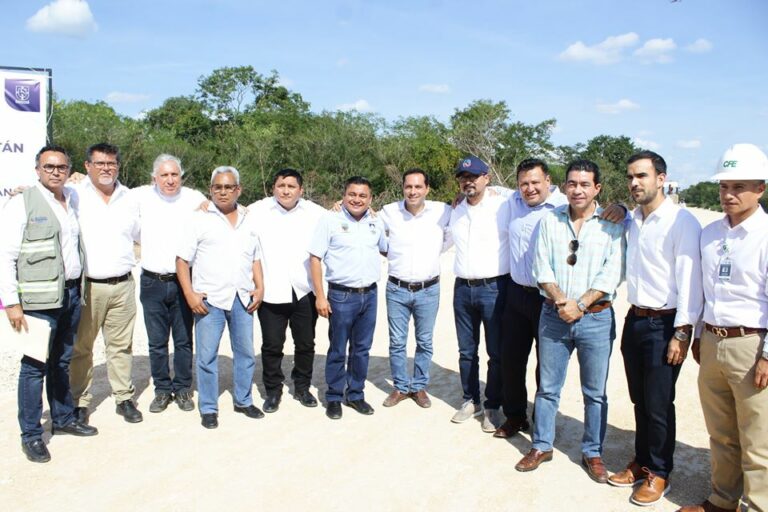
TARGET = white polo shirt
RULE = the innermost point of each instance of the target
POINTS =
(284, 237)
(221, 255)
(108, 230)
(663, 262)
(161, 220)
(12, 231)
(415, 242)
(480, 235)
(743, 299)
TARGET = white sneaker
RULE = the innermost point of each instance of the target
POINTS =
(467, 410)
(490, 420)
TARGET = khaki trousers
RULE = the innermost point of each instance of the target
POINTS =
(736, 414)
(112, 309)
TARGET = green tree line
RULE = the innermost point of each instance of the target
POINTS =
(240, 117)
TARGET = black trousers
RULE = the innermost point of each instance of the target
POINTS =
(651, 381)
(301, 315)
(520, 326)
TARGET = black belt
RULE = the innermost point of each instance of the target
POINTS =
(415, 286)
(342, 288)
(109, 280)
(159, 277)
(651, 313)
(72, 283)
(527, 289)
(479, 282)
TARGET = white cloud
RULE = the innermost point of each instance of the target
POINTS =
(609, 51)
(286, 82)
(125, 97)
(689, 144)
(646, 144)
(656, 51)
(342, 62)
(700, 45)
(359, 105)
(616, 108)
(435, 88)
(66, 17)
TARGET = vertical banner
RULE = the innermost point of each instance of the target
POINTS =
(24, 116)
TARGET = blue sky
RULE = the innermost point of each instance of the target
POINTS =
(684, 78)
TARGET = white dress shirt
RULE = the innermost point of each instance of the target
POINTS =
(480, 235)
(284, 237)
(161, 220)
(741, 301)
(664, 263)
(12, 232)
(108, 230)
(221, 255)
(415, 242)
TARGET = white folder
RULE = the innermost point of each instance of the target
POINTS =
(34, 343)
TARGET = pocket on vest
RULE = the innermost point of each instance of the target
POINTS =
(39, 245)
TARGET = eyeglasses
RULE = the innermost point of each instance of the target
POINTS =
(49, 168)
(573, 246)
(223, 188)
(108, 165)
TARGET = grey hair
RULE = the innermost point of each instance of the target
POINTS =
(224, 169)
(164, 157)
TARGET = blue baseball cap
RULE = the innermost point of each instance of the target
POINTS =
(472, 165)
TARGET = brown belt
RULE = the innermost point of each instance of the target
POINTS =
(594, 308)
(652, 313)
(732, 332)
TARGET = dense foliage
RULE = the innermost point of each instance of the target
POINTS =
(240, 117)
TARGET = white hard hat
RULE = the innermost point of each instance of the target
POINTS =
(742, 162)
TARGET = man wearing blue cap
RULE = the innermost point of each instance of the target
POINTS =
(478, 227)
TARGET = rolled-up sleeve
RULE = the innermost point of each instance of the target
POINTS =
(542, 267)
(611, 273)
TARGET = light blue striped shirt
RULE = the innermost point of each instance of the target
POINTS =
(600, 257)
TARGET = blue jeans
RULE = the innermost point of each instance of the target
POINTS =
(473, 306)
(351, 325)
(592, 337)
(166, 311)
(401, 304)
(55, 370)
(208, 330)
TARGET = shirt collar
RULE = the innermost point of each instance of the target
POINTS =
(48, 194)
(164, 197)
(662, 211)
(120, 189)
(563, 211)
(554, 199)
(401, 205)
(350, 217)
(277, 206)
(751, 223)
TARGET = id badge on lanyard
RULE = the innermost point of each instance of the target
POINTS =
(726, 266)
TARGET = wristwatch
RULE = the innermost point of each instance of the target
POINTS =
(681, 336)
(582, 307)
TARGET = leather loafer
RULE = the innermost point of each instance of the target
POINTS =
(36, 451)
(422, 399)
(511, 427)
(129, 412)
(595, 468)
(361, 406)
(209, 420)
(272, 403)
(334, 410)
(251, 411)
(306, 398)
(705, 507)
(76, 428)
(629, 477)
(395, 398)
(81, 413)
(533, 460)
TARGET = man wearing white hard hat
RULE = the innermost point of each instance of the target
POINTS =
(731, 350)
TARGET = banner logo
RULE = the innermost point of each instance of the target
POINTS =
(22, 94)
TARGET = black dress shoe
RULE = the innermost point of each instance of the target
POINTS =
(36, 450)
(76, 428)
(210, 420)
(81, 413)
(251, 411)
(306, 398)
(272, 403)
(334, 410)
(361, 406)
(129, 412)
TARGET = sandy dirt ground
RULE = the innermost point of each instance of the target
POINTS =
(402, 458)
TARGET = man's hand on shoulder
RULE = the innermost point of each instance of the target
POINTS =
(615, 213)
(75, 178)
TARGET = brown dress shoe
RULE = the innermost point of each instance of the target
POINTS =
(394, 398)
(422, 399)
(651, 490)
(595, 468)
(705, 507)
(629, 477)
(533, 460)
(511, 427)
